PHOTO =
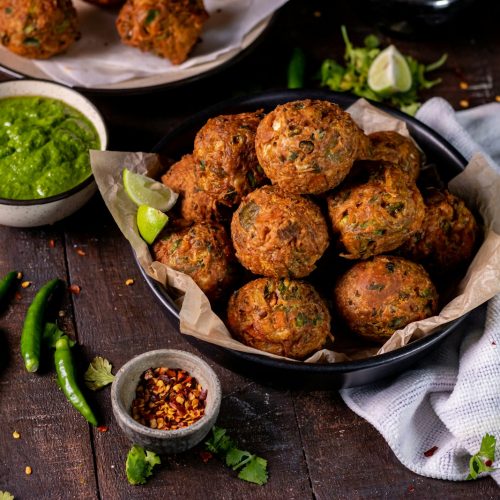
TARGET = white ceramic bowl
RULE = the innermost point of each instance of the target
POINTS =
(31, 213)
(164, 441)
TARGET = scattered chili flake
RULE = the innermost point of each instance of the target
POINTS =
(16, 435)
(75, 289)
(18, 296)
(168, 399)
(19, 276)
(488, 463)
(205, 456)
(497, 98)
(317, 13)
(61, 314)
(102, 428)
(129, 282)
(26, 284)
(430, 452)
(464, 85)
(493, 343)
(52, 243)
(80, 252)
(411, 488)
(28, 470)
(464, 103)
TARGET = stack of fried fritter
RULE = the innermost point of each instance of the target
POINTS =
(286, 184)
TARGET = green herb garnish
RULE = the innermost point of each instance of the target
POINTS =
(252, 468)
(98, 374)
(5, 495)
(483, 460)
(139, 465)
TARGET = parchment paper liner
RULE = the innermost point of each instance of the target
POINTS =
(478, 185)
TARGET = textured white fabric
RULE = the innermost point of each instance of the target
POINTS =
(452, 398)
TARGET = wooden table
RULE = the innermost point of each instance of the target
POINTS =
(315, 446)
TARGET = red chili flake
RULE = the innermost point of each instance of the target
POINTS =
(205, 456)
(411, 488)
(75, 289)
(18, 296)
(493, 342)
(80, 252)
(52, 243)
(488, 463)
(103, 428)
(430, 452)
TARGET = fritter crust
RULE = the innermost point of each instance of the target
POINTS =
(376, 212)
(38, 29)
(278, 234)
(376, 297)
(226, 163)
(308, 146)
(194, 204)
(167, 28)
(279, 316)
(448, 236)
(204, 252)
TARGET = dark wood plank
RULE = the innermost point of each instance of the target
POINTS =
(118, 322)
(54, 438)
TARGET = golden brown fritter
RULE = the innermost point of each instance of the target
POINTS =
(106, 3)
(447, 239)
(194, 204)
(280, 316)
(376, 212)
(278, 234)
(308, 146)
(167, 28)
(395, 148)
(38, 29)
(204, 252)
(226, 163)
(376, 297)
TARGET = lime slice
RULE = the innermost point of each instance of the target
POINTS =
(143, 190)
(150, 221)
(389, 72)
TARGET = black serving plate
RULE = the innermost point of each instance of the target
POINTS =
(336, 375)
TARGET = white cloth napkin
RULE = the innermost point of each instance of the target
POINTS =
(452, 398)
(100, 58)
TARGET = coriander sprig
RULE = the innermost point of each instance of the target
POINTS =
(483, 460)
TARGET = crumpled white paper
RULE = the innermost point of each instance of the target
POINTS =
(100, 58)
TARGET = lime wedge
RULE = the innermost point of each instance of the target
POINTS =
(143, 190)
(150, 221)
(389, 72)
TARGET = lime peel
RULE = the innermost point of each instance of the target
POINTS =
(143, 190)
(150, 222)
(389, 72)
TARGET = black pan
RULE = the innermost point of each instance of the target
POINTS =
(337, 375)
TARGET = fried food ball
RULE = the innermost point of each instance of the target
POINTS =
(390, 146)
(447, 239)
(376, 297)
(226, 163)
(38, 29)
(194, 205)
(167, 28)
(278, 234)
(377, 212)
(204, 252)
(279, 316)
(308, 146)
(105, 3)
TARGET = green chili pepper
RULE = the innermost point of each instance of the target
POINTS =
(296, 69)
(33, 327)
(65, 370)
(6, 283)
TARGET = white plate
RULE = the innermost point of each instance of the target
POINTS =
(21, 67)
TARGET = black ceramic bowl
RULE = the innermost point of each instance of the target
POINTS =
(336, 375)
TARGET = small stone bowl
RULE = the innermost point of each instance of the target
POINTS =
(164, 441)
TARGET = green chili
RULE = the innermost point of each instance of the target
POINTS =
(65, 370)
(6, 283)
(33, 327)
(296, 69)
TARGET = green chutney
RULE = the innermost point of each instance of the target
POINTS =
(44, 147)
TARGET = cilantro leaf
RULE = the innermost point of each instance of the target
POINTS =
(139, 465)
(5, 495)
(484, 458)
(98, 374)
(255, 471)
(253, 468)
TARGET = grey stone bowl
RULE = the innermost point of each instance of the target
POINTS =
(164, 441)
